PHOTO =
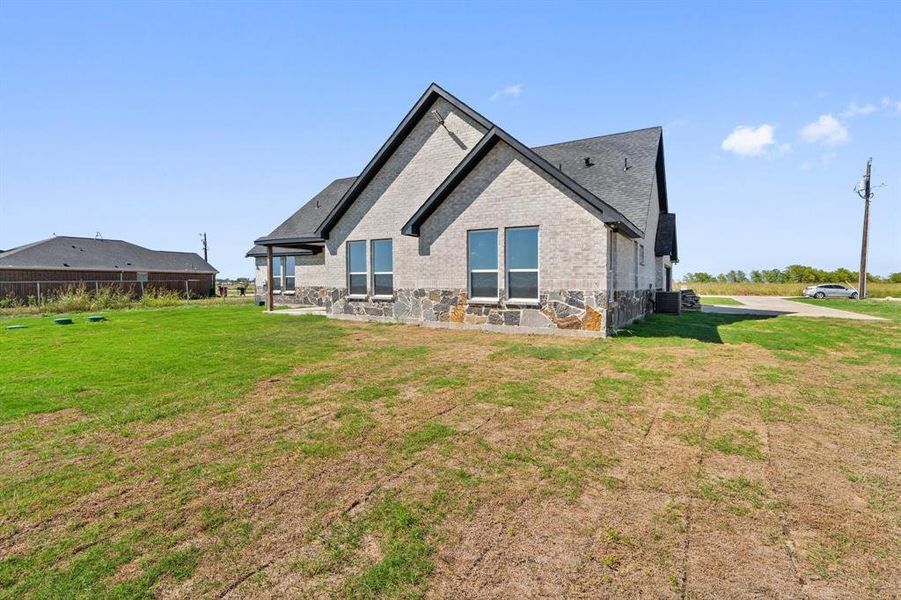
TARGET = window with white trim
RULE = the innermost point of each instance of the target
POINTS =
(382, 267)
(521, 251)
(276, 273)
(482, 251)
(356, 268)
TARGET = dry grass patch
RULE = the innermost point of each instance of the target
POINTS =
(361, 460)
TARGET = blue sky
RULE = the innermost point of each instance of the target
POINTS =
(152, 122)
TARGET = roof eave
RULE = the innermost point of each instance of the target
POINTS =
(660, 172)
(271, 241)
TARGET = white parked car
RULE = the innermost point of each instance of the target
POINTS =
(830, 290)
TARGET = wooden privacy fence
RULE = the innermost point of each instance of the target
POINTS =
(29, 291)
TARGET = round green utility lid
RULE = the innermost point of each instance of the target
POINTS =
(16, 326)
(96, 318)
(63, 321)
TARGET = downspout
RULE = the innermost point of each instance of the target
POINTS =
(609, 264)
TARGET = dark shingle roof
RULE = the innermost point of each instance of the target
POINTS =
(301, 226)
(665, 243)
(65, 252)
(628, 191)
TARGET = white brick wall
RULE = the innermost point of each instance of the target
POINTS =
(504, 191)
(310, 270)
(418, 166)
(261, 270)
(647, 272)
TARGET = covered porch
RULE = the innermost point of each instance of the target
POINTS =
(283, 249)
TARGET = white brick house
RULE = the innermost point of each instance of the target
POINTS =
(456, 223)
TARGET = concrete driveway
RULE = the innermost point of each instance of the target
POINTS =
(776, 305)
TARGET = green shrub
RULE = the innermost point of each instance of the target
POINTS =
(157, 298)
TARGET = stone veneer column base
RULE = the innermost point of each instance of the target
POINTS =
(629, 306)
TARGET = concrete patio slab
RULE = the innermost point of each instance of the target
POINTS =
(306, 310)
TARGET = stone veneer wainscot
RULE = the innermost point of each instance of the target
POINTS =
(571, 310)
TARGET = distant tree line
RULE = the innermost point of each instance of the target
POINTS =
(790, 274)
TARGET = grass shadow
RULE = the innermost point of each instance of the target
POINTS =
(701, 326)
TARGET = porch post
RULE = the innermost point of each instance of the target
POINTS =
(269, 278)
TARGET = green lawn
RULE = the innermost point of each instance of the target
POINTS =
(721, 301)
(879, 308)
(199, 451)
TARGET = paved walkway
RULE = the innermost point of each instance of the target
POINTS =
(306, 310)
(776, 305)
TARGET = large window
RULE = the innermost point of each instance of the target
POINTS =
(277, 273)
(382, 268)
(356, 268)
(522, 263)
(290, 263)
(283, 268)
(482, 246)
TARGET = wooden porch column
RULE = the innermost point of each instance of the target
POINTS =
(269, 278)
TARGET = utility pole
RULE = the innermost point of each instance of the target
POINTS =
(865, 192)
(212, 291)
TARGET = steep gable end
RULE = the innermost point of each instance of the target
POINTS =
(609, 214)
(390, 146)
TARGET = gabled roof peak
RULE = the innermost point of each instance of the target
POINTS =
(391, 145)
(619, 173)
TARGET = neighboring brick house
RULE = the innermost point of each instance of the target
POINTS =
(456, 223)
(42, 269)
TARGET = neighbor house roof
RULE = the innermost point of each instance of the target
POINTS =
(665, 242)
(90, 254)
(608, 214)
